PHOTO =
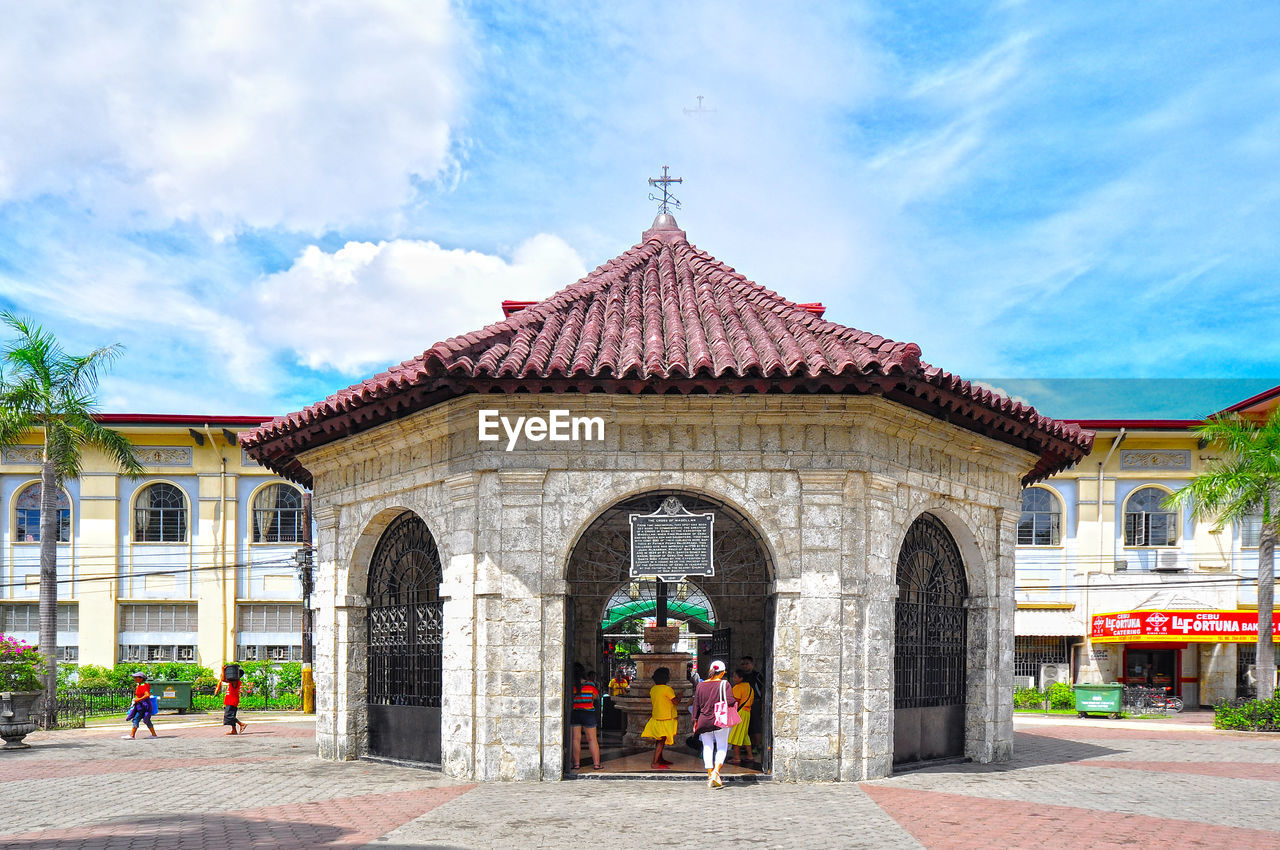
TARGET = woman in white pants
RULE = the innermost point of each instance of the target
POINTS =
(715, 741)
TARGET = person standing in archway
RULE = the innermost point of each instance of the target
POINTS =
(711, 692)
(583, 715)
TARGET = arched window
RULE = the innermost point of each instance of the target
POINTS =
(1041, 520)
(160, 515)
(277, 515)
(26, 526)
(1147, 522)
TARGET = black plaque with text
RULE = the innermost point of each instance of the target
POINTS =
(671, 543)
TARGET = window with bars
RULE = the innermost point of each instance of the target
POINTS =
(26, 618)
(1041, 521)
(1251, 530)
(271, 618)
(26, 525)
(270, 653)
(1146, 522)
(277, 515)
(1029, 652)
(160, 515)
(157, 652)
(158, 618)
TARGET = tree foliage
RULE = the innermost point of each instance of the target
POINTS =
(46, 391)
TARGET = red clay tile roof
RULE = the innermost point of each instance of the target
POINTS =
(665, 316)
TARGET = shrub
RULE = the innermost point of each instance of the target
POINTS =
(289, 678)
(1061, 696)
(21, 666)
(1028, 698)
(94, 676)
(1248, 715)
(204, 685)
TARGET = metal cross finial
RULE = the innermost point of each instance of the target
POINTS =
(667, 199)
(699, 109)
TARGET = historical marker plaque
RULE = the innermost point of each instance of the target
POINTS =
(671, 543)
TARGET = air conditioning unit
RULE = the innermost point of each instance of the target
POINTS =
(1121, 565)
(1024, 682)
(1167, 562)
(1051, 673)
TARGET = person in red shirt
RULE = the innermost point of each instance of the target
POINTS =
(230, 703)
(140, 708)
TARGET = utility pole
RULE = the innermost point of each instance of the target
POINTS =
(306, 563)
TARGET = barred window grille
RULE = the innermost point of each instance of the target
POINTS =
(1041, 520)
(277, 515)
(271, 618)
(1146, 522)
(405, 617)
(930, 618)
(25, 617)
(26, 528)
(1029, 652)
(158, 618)
(1251, 530)
(160, 515)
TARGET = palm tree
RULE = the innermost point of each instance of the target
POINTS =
(1245, 483)
(52, 392)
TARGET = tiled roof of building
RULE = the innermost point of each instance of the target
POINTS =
(665, 316)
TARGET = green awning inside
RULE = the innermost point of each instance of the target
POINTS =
(648, 607)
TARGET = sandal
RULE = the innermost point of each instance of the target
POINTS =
(597, 767)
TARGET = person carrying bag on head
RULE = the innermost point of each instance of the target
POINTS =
(715, 712)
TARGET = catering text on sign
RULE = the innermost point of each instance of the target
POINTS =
(1192, 626)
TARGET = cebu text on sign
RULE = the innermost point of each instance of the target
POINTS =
(1191, 626)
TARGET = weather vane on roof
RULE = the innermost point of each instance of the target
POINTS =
(667, 199)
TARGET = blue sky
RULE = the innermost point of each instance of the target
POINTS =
(265, 203)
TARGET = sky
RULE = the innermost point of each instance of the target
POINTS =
(265, 202)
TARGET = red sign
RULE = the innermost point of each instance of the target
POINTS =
(1192, 626)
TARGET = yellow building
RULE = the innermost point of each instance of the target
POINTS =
(1112, 586)
(193, 561)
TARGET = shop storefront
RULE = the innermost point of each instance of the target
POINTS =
(1195, 655)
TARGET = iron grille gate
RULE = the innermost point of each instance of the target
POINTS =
(406, 642)
(929, 663)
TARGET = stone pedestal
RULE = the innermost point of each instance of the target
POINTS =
(17, 717)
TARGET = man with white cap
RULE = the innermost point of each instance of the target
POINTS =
(715, 739)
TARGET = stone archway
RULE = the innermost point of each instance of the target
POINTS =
(930, 661)
(405, 634)
(739, 596)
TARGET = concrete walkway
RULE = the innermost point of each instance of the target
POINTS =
(1072, 783)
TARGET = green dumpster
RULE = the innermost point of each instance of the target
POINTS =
(172, 695)
(1098, 699)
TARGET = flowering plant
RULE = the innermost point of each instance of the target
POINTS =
(21, 666)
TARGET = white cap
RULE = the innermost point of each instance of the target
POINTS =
(717, 667)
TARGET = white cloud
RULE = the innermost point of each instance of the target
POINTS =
(231, 114)
(368, 305)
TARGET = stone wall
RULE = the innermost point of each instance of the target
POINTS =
(830, 484)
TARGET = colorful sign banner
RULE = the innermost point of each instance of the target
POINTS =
(1190, 626)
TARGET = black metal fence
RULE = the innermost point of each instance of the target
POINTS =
(71, 711)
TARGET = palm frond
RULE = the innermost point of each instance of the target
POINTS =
(111, 443)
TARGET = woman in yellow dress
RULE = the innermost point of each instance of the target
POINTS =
(662, 723)
(739, 738)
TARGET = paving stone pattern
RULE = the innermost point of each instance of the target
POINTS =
(1070, 785)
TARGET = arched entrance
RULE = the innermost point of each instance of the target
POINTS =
(405, 646)
(729, 615)
(929, 662)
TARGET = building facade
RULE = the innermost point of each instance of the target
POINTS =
(193, 561)
(472, 544)
(1113, 586)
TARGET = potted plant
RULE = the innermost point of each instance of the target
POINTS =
(21, 690)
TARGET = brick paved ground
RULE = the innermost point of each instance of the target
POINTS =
(1071, 784)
